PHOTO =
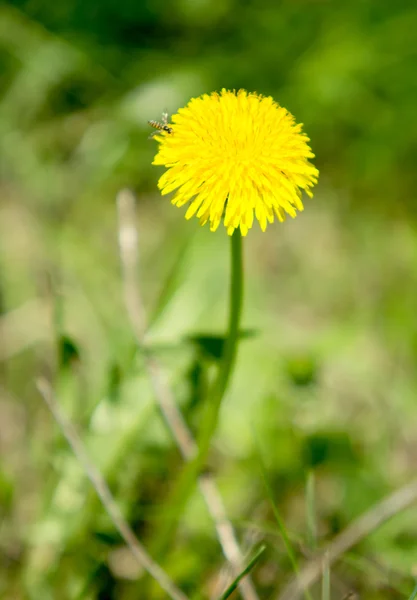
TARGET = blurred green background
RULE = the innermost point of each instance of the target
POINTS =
(326, 389)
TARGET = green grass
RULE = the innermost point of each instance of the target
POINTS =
(326, 375)
(251, 564)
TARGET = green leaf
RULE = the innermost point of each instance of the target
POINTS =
(212, 346)
(68, 351)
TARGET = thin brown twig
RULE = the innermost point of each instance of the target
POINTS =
(129, 256)
(105, 495)
(349, 537)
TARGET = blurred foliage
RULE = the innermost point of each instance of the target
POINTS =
(329, 380)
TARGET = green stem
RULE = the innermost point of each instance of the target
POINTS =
(213, 402)
(227, 363)
(235, 312)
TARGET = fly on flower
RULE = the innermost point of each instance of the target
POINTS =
(160, 126)
(235, 156)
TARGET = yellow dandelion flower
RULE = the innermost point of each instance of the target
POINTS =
(235, 155)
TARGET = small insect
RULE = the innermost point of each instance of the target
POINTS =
(161, 126)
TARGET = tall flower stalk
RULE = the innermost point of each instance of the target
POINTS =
(233, 157)
(228, 358)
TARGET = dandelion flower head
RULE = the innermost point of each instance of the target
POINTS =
(235, 156)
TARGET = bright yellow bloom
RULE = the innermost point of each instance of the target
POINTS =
(236, 154)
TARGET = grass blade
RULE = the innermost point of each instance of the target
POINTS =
(241, 575)
(325, 589)
(280, 523)
(311, 512)
(413, 593)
